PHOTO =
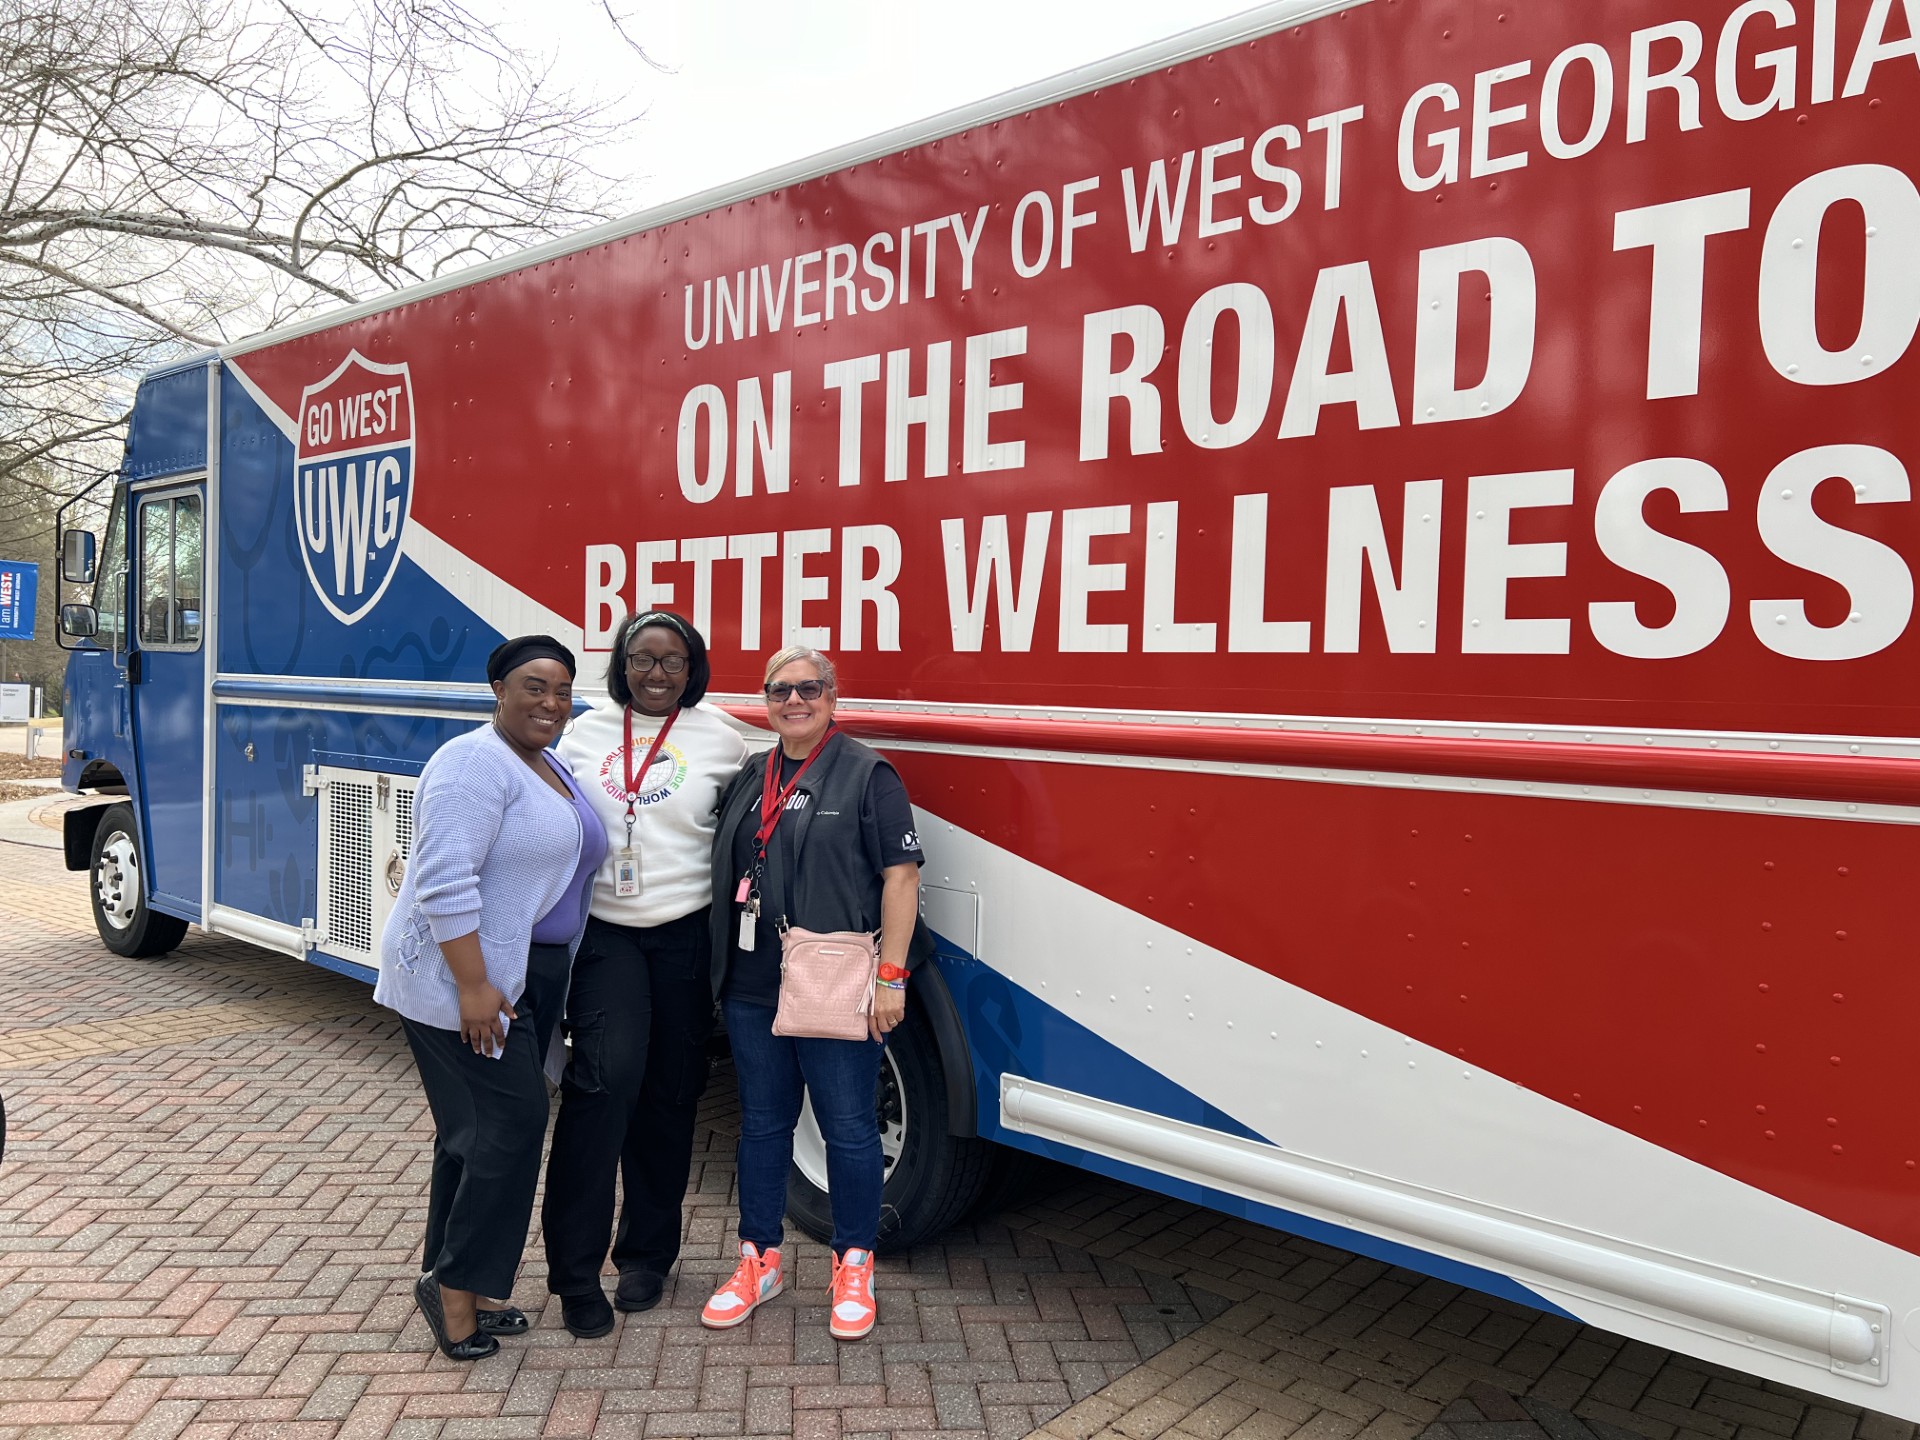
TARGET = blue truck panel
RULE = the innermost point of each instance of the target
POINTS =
(265, 831)
(274, 622)
(168, 432)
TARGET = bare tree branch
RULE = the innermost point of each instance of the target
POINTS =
(619, 24)
(185, 172)
(112, 296)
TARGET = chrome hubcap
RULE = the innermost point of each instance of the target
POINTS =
(116, 880)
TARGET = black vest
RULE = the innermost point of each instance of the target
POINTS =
(836, 878)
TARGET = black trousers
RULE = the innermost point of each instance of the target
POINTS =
(639, 1013)
(489, 1119)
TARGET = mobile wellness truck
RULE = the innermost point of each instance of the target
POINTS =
(1380, 537)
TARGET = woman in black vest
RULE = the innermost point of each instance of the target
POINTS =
(817, 831)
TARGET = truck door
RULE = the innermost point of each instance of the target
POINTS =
(166, 681)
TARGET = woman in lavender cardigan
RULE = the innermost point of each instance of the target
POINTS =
(476, 958)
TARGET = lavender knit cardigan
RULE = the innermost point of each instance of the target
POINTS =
(493, 848)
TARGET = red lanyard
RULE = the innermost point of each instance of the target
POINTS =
(633, 777)
(772, 805)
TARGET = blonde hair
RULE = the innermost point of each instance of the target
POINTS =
(823, 667)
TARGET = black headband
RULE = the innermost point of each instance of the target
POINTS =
(511, 654)
(661, 617)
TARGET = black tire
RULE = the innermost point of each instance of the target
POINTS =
(127, 924)
(1012, 1177)
(933, 1178)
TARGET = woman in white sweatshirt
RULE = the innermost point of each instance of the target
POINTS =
(653, 760)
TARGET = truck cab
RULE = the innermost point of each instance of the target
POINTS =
(137, 680)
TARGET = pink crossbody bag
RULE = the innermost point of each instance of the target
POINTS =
(826, 983)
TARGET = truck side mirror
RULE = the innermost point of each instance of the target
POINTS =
(76, 558)
(79, 622)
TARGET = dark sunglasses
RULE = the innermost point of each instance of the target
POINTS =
(805, 689)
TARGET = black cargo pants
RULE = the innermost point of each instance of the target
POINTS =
(639, 1013)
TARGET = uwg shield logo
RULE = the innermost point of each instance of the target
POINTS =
(353, 482)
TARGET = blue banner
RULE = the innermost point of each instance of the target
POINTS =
(19, 594)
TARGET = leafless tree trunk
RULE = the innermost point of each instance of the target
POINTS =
(175, 173)
(26, 533)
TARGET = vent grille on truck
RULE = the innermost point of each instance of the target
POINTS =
(365, 840)
(403, 822)
(349, 843)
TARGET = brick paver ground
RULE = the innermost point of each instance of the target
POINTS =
(213, 1191)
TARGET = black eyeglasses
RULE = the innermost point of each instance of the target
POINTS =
(642, 663)
(805, 689)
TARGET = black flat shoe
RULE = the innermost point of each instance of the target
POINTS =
(477, 1346)
(509, 1321)
(638, 1290)
(588, 1316)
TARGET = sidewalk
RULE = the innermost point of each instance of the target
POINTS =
(214, 1185)
(35, 822)
(13, 738)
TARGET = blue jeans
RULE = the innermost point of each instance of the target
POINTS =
(841, 1076)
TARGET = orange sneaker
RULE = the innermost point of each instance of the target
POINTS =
(756, 1279)
(854, 1310)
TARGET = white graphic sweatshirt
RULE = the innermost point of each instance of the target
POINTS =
(674, 805)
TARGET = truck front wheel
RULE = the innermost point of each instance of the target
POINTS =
(126, 924)
(932, 1178)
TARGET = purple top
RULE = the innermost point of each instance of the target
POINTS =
(560, 924)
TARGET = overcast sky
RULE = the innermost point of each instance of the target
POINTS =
(751, 84)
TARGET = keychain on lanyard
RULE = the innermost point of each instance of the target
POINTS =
(626, 866)
(773, 804)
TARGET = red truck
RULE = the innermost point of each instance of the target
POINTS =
(1380, 537)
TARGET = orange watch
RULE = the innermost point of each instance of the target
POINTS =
(891, 972)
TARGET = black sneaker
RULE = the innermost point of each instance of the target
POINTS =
(638, 1290)
(588, 1316)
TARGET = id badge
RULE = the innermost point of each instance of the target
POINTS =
(626, 874)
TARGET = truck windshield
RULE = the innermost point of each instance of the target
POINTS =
(110, 584)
